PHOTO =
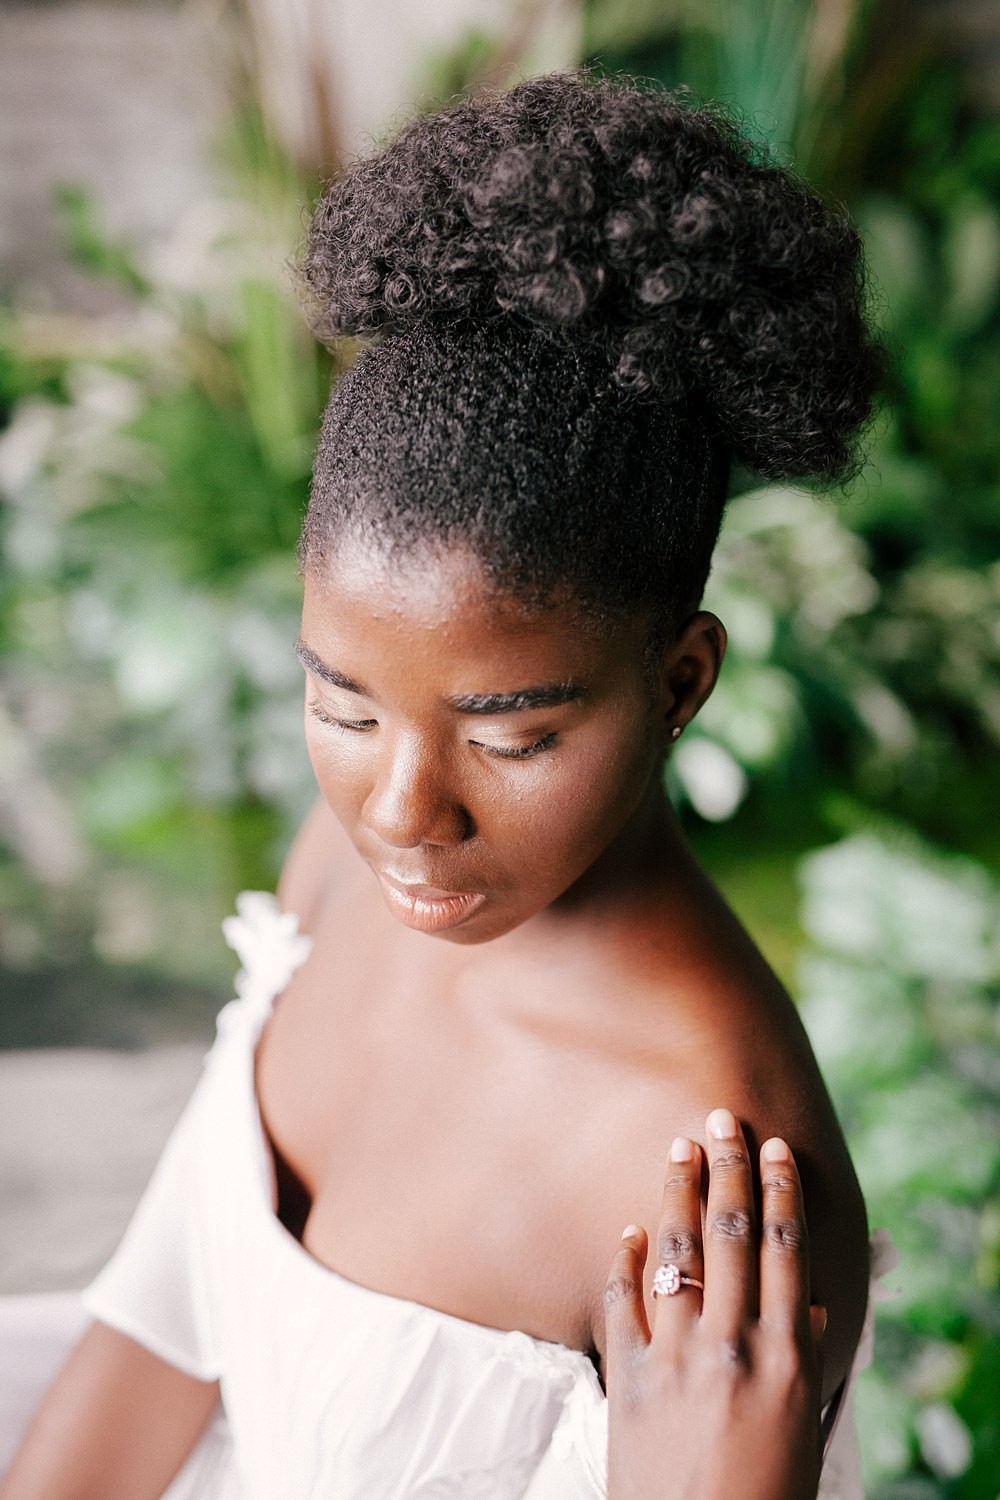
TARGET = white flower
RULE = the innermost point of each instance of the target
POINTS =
(268, 944)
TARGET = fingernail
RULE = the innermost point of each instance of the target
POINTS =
(721, 1125)
(629, 1231)
(682, 1149)
(776, 1150)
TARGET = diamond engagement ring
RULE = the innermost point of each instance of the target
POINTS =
(667, 1281)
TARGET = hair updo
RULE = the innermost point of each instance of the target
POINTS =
(583, 300)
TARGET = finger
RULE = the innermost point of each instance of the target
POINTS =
(730, 1228)
(678, 1243)
(626, 1328)
(784, 1243)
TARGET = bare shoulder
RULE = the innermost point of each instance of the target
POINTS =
(320, 852)
(718, 1029)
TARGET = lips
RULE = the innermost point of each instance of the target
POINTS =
(427, 908)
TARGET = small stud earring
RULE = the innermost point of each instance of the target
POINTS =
(675, 733)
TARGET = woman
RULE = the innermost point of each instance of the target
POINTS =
(383, 1225)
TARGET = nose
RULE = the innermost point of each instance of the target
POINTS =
(412, 801)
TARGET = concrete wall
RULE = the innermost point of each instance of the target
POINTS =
(121, 100)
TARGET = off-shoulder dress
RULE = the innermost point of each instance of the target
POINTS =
(330, 1388)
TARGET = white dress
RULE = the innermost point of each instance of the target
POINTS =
(332, 1391)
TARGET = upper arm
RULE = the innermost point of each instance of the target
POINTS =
(117, 1424)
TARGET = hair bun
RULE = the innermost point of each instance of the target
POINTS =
(621, 220)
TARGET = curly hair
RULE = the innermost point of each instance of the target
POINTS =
(583, 299)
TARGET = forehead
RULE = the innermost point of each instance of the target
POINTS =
(435, 610)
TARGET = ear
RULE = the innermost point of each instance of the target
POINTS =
(689, 669)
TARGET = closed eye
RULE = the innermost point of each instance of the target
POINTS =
(359, 725)
(516, 752)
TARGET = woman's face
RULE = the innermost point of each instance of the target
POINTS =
(481, 757)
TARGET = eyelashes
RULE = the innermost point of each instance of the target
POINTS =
(361, 725)
(499, 752)
(519, 752)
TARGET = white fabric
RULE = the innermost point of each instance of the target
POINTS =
(328, 1388)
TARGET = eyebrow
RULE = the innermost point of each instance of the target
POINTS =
(547, 695)
(319, 668)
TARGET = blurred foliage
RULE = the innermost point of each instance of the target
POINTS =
(153, 494)
(901, 995)
(153, 479)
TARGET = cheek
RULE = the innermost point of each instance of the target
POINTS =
(617, 785)
(337, 772)
(572, 817)
(562, 815)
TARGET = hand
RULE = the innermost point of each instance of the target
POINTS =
(722, 1399)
